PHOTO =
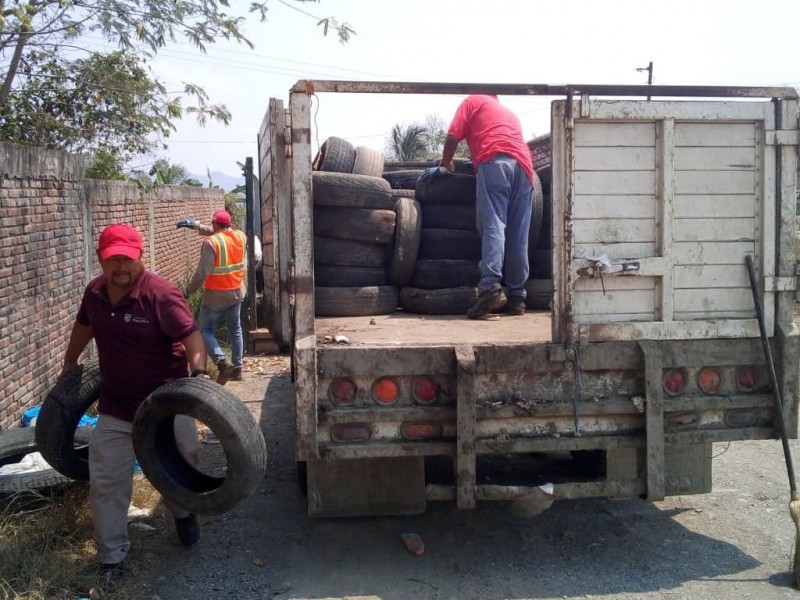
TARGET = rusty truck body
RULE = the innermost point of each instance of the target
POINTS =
(649, 354)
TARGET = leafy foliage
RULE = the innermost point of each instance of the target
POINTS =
(420, 142)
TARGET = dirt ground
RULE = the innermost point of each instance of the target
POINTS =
(735, 542)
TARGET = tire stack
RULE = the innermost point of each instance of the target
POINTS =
(540, 254)
(354, 232)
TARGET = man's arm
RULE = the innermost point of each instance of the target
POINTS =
(81, 335)
(204, 268)
(450, 146)
(195, 351)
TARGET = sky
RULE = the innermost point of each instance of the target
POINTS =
(700, 42)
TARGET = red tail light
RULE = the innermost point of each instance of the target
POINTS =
(746, 379)
(421, 430)
(674, 381)
(708, 380)
(385, 391)
(351, 432)
(426, 390)
(342, 391)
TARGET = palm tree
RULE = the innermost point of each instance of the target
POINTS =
(166, 173)
(408, 143)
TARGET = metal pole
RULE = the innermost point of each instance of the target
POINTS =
(252, 319)
(649, 69)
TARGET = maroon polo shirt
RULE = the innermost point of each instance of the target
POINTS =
(138, 340)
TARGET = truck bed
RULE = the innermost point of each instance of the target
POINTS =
(435, 330)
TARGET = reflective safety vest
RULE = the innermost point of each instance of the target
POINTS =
(229, 260)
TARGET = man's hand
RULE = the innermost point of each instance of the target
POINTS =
(432, 174)
(187, 223)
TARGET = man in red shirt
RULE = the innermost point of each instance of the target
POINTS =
(504, 172)
(145, 336)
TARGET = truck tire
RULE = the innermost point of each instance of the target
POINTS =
(546, 176)
(61, 411)
(448, 301)
(335, 155)
(438, 274)
(449, 188)
(355, 224)
(541, 264)
(408, 229)
(355, 301)
(546, 235)
(344, 253)
(368, 162)
(403, 180)
(353, 191)
(15, 444)
(537, 209)
(539, 293)
(332, 276)
(449, 216)
(178, 481)
(402, 194)
(449, 244)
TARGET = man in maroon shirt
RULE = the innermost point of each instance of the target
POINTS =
(145, 336)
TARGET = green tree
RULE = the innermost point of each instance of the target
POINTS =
(408, 143)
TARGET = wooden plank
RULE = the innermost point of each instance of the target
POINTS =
(717, 206)
(712, 276)
(563, 252)
(714, 230)
(711, 253)
(465, 424)
(654, 411)
(283, 225)
(613, 283)
(695, 110)
(616, 231)
(720, 314)
(713, 300)
(615, 302)
(676, 330)
(634, 183)
(715, 182)
(622, 317)
(715, 159)
(616, 251)
(611, 158)
(305, 389)
(765, 258)
(615, 134)
(665, 239)
(615, 207)
(724, 135)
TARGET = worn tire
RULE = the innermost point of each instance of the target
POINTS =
(344, 253)
(58, 418)
(546, 235)
(402, 194)
(449, 188)
(368, 162)
(546, 176)
(333, 276)
(460, 165)
(355, 224)
(403, 180)
(408, 230)
(15, 444)
(354, 301)
(448, 301)
(352, 191)
(539, 294)
(439, 274)
(537, 208)
(449, 244)
(449, 216)
(335, 155)
(541, 264)
(178, 481)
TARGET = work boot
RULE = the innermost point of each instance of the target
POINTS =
(236, 374)
(188, 530)
(225, 369)
(487, 301)
(515, 306)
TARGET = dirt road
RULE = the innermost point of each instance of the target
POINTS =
(733, 543)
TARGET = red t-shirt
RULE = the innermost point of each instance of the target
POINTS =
(138, 340)
(490, 129)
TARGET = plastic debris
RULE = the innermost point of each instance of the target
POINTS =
(341, 339)
(413, 543)
(638, 402)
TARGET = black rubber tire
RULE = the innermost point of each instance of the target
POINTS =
(449, 244)
(449, 301)
(355, 301)
(58, 418)
(178, 481)
(546, 176)
(537, 208)
(449, 188)
(352, 191)
(541, 264)
(15, 444)
(368, 162)
(336, 155)
(344, 253)
(546, 235)
(332, 276)
(460, 165)
(539, 294)
(439, 274)
(403, 180)
(403, 194)
(406, 242)
(355, 224)
(448, 216)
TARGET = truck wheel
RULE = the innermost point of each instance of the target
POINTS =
(449, 216)
(539, 293)
(368, 162)
(450, 188)
(408, 229)
(355, 224)
(438, 274)
(537, 209)
(449, 244)
(332, 276)
(335, 155)
(15, 444)
(354, 301)
(59, 416)
(451, 301)
(233, 425)
(403, 180)
(344, 253)
(353, 191)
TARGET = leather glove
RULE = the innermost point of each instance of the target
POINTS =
(432, 174)
(187, 223)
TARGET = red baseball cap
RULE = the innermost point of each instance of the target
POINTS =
(221, 217)
(120, 240)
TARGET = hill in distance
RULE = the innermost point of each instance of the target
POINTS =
(219, 179)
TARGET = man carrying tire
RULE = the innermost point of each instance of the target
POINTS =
(504, 172)
(145, 336)
(221, 270)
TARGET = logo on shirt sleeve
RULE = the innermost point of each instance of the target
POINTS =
(140, 320)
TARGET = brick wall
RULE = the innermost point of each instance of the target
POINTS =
(50, 218)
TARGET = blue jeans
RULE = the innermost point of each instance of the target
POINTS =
(504, 218)
(207, 321)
